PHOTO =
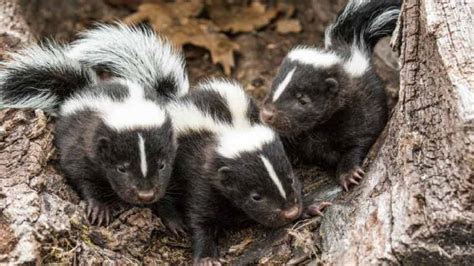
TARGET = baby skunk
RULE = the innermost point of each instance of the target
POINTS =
(328, 104)
(228, 168)
(115, 139)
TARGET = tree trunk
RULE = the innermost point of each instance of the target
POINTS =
(416, 204)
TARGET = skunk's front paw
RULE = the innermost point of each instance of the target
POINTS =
(352, 177)
(175, 225)
(315, 209)
(98, 213)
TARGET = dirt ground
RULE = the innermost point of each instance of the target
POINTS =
(137, 235)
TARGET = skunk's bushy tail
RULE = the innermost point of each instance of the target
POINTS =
(363, 23)
(134, 53)
(41, 77)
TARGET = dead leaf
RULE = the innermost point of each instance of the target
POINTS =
(165, 15)
(177, 22)
(155, 14)
(285, 26)
(204, 33)
(240, 19)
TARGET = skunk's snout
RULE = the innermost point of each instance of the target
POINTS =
(274, 118)
(146, 196)
(268, 114)
(291, 213)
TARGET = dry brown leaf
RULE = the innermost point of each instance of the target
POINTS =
(177, 22)
(204, 33)
(240, 19)
(155, 14)
(165, 15)
(288, 25)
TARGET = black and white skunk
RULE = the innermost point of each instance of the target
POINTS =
(328, 103)
(229, 168)
(115, 138)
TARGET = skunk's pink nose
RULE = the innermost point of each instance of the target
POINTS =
(146, 196)
(267, 115)
(291, 213)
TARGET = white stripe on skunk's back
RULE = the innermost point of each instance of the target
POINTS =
(315, 57)
(187, 117)
(236, 99)
(356, 65)
(134, 112)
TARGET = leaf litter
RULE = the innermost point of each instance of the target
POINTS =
(208, 23)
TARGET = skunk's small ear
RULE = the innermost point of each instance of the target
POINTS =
(332, 85)
(223, 172)
(223, 180)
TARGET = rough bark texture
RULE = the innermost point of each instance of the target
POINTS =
(416, 204)
(14, 30)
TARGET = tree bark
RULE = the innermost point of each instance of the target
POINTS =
(416, 204)
(14, 30)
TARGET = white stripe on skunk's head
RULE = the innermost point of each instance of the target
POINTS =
(134, 53)
(143, 161)
(273, 175)
(134, 111)
(237, 141)
(235, 97)
(282, 86)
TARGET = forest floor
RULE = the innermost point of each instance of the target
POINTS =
(59, 231)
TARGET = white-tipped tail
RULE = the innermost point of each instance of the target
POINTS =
(42, 77)
(363, 23)
(135, 54)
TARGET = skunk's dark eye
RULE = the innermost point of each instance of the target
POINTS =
(256, 197)
(303, 99)
(161, 165)
(122, 168)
